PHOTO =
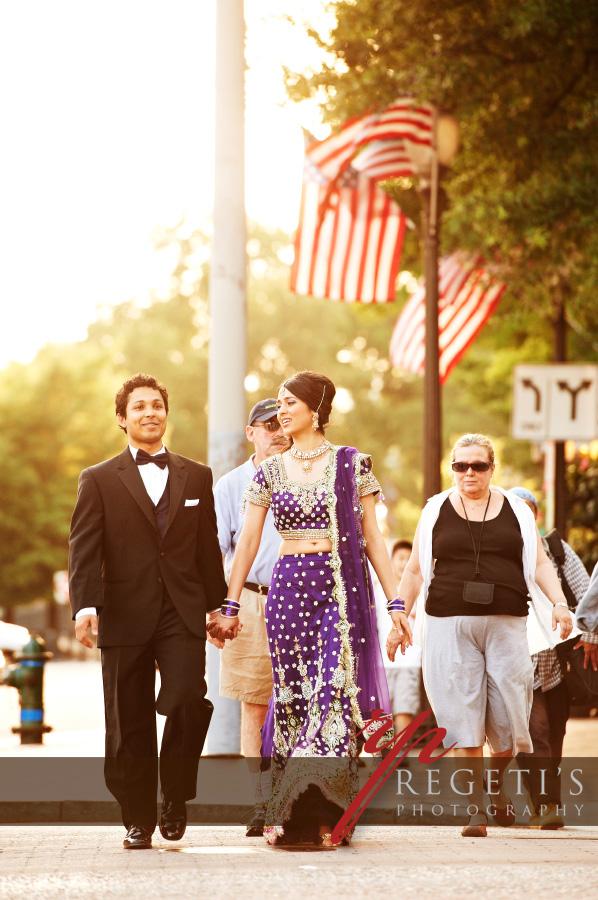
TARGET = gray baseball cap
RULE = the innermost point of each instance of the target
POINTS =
(263, 411)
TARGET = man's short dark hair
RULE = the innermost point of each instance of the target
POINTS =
(139, 380)
(401, 545)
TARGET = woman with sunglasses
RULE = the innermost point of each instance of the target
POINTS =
(479, 557)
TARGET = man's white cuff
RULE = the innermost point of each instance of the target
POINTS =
(88, 611)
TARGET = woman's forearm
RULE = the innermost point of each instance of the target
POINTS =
(547, 580)
(378, 556)
(245, 553)
(410, 586)
(247, 548)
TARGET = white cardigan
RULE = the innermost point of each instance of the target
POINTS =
(540, 635)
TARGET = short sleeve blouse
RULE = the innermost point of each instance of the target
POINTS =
(367, 483)
(301, 509)
(259, 489)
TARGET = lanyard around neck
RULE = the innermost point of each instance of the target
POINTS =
(479, 550)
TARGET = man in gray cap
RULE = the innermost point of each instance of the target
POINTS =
(550, 707)
(245, 665)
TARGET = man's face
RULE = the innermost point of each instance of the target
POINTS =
(145, 419)
(399, 560)
(267, 437)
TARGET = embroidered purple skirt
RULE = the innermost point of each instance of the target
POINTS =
(309, 730)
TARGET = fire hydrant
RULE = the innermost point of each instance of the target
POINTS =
(27, 676)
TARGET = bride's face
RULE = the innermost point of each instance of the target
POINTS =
(294, 415)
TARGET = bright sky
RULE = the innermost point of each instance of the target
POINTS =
(107, 115)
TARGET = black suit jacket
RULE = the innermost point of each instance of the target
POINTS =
(119, 563)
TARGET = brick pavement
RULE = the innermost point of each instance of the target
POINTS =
(88, 863)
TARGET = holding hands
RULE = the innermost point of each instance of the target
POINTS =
(222, 628)
(400, 635)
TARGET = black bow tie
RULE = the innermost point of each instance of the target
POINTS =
(143, 458)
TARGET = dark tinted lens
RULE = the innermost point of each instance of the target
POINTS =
(462, 467)
(274, 425)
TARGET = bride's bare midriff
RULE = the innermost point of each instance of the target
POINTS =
(287, 548)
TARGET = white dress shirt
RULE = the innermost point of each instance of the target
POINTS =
(154, 479)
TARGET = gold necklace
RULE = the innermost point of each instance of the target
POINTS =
(306, 457)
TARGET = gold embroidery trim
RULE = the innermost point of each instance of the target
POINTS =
(346, 658)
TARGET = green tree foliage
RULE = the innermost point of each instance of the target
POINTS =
(582, 480)
(55, 422)
(520, 78)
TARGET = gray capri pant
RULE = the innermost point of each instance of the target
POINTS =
(478, 676)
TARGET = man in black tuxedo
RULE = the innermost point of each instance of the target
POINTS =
(144, 568)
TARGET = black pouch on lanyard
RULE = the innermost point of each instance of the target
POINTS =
(478, 592)
(481, 592)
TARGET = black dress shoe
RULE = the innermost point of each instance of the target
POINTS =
(138, 838)
(255, 826)
(173, 819)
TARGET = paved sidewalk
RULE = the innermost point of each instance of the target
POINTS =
(57, 862)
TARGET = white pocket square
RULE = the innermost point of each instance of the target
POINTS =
(191, 502)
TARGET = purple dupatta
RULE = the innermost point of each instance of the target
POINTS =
(369, 675)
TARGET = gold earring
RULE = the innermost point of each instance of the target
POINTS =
(315, 421)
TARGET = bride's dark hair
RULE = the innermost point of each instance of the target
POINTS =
(316, 390)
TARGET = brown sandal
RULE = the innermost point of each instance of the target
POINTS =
(474, 830)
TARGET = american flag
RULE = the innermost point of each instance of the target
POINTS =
(381, 160)
(351, 248)
(334, 153)
(402, 122)
(467, 297)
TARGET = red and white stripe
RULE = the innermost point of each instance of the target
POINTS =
(381, 160)
(467, 298)
(402, 121)
(334, 153)
(352, 250)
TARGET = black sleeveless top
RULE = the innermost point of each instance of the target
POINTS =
(500, 564)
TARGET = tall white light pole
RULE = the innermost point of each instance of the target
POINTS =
(228, 340)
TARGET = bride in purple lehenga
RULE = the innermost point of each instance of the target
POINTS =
(320, 614)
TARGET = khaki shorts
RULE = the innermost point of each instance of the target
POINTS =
(245, 664)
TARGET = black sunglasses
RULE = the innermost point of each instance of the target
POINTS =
(462, 467)
(273, 425)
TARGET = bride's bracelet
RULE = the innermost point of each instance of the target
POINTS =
(396, 605)
(230, 608)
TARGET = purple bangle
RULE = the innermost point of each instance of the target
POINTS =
(230, 609)
(396, 605)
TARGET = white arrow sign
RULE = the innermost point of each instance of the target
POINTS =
(555, 402)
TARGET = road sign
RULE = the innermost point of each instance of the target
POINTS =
(555, 403)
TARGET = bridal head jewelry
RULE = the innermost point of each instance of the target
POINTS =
(306, 457)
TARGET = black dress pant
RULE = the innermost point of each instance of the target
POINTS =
(129, 675)
(547, 726)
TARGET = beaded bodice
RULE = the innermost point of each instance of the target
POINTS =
(300, 510)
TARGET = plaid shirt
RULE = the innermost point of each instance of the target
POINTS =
(547, 668)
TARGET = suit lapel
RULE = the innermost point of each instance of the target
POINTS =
(178, 479)
(132, 480)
